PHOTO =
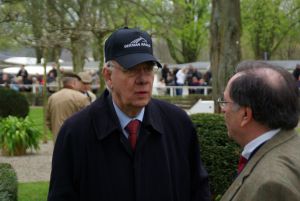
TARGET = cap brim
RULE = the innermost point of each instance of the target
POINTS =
(131, 60)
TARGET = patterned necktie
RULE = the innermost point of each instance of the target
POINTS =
(132, 129)
(242, 163)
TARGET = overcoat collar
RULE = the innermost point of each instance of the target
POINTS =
(105, 120)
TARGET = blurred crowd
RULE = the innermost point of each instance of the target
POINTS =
(296, 74)
(186, 76)
(24, 82)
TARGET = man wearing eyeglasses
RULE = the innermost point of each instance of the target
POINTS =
(261, 109)
(127, 146)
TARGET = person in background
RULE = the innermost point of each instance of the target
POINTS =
(23, 73)
(5, 80)
(127, 146)
(296, 74)
(180, 80)
(195, 82)
(27, 84)
(53, 72)
(191, 73)
(208, 78)
(261, 109)
(164, 72)
(36, 90)
(64, 103)
(86, 81)
(95, 85)
(17, 84)
(52, 83)
(161, 87)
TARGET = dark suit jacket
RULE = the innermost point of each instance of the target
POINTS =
(93, 161)
(272, 174)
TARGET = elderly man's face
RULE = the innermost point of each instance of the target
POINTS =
(131, 89)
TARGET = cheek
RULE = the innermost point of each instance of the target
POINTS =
(123, 86)
(228, 119)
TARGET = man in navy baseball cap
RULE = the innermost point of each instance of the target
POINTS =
(127, 145)
(129, 47)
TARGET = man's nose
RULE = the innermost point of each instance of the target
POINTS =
(143, 77)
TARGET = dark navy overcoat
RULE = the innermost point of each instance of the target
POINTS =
(92, 159)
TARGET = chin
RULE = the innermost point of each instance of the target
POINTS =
(141, 103)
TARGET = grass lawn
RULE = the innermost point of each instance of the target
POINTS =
(33, 191)
(36, 115)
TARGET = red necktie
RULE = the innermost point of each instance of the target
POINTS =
(132, 129)
(242, 163)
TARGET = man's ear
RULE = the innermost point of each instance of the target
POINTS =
(106, 72)
(246, 116)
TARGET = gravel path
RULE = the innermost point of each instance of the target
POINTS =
(35, 166)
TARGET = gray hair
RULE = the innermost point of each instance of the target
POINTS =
(67, 81)
(108, 65)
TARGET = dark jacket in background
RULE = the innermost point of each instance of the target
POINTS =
(93, 161)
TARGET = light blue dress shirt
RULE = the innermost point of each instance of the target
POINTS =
(251, 146)
(124, 119)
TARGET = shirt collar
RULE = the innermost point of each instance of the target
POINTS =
(124, 119)
(252, 145)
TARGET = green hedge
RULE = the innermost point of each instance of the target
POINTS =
(8, 183)
(219, 153)
(13, 103)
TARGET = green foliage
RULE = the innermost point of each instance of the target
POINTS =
(269, 23)
(185, 35)
(36, 115)
(33, 191)
(8, 183)
(17, 135)
(13, 103)
(219, 154)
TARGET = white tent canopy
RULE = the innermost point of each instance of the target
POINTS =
(24, 60)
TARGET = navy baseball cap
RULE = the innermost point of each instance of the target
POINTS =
(129, 47)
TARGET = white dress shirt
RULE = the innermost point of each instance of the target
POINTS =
(252, 145)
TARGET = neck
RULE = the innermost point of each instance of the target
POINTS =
(253, 132)
(67, 86)
(131, 112)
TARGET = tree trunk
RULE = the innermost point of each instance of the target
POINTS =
(225, 43)
(100, 40)
(99, 43)
(45, 98)
(78, 49)
(39, 55)
(54, 53)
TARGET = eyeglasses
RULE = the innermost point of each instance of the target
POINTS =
(147, 68)
(222, 102)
